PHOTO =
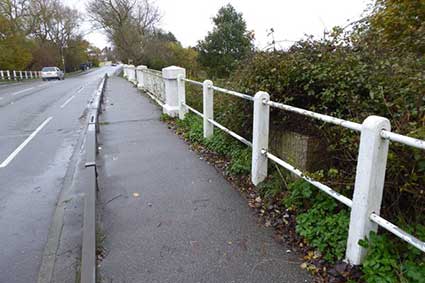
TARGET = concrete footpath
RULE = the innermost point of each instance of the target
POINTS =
(167, 216)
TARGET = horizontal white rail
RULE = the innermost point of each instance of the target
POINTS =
(234, 93)
(193, 82)
(221, 127)
(233, 134)
(398, 232)
(348, 202)
(160, 103)
(194, 110)
(325, 118)
(403, 139)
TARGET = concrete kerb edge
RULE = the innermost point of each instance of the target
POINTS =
(88, 251)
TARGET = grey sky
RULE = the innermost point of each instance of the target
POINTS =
(190, 20)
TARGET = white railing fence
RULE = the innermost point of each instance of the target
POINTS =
(375, 136)
(19, 75)
(152, 82)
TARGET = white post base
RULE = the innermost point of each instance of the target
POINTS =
(172, 111)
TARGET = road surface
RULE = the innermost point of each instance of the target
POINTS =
(40, 124)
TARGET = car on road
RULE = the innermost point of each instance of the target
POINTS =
(52, 73)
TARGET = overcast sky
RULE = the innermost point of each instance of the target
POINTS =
(190, 20)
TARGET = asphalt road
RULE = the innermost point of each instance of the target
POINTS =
(40, 123)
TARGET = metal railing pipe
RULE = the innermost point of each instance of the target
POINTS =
(398, 232)
(343, 199)
(325, 118)
(417, 143)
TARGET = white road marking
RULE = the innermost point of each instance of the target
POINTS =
(21, 91)
(68, 101)
(80, 89)
(19, 148)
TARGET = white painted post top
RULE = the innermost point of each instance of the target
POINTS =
(173, 72)
(131, 66)
(141, 67)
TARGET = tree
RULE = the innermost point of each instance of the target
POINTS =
(399, 25)
(18, 15)
(15, 53)
(76, 53)
(36, 33)
(127, 23)
(227, 44)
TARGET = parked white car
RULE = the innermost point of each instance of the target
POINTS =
(52, 73)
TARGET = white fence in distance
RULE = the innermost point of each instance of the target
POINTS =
(19, 75)
(375, 137)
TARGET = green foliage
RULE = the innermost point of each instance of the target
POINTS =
(165, 117)
(371, 70)
(399, 25)
(300, 195)
(240, 161)
(413, 272)
(35, 34)
(380, 265)
(15, 52)
(220, 143)
(227, 44)
(325, 230)
(392, 260)
(320, 221)
(272, 186)
(76, 54)
(239, 155)
(192, 128)
(160, 54)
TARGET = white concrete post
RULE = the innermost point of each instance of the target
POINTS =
(140, 76)
(132, 74)
(260, 137)
(14, 75)
(128, 72)
(369, 185)
(26, 74)
(208, 105)
(30, 74)
(172, 89)
(181, 93)
(2, 75)
(125, 69)
(8, 74)
(21, 75)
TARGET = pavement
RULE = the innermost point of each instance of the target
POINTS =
(41, 128)
(165, 215)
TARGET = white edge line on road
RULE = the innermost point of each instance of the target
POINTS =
(19, 148)
(21, 91)
(68, 101)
